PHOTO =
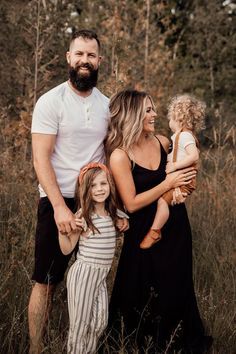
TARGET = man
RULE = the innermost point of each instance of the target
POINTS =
(68, 129)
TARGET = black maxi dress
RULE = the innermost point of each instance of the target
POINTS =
(153, 289)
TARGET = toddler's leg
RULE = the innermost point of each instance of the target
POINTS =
(162, 214)
(161, 217)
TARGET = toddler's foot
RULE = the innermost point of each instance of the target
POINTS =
(152, 237)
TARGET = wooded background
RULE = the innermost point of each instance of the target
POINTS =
(164, 47)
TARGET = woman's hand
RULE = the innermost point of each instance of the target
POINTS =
(181, 177)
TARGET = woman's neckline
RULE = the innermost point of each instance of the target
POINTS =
(147, 168)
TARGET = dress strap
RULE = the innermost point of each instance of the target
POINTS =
(162, 147)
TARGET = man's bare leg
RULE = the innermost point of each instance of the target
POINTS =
(39, 307)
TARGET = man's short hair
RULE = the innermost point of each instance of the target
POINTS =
(86, 34)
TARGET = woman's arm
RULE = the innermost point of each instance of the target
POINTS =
(121, 169)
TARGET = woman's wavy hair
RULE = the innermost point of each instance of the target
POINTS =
(189, 111)
(84, 197)
(127, 112)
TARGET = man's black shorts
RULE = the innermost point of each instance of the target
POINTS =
(50, 263)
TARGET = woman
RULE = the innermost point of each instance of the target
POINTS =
(153, 289)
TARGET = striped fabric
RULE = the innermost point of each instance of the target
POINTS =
(87, 289)
(88, 306)
(98, 248)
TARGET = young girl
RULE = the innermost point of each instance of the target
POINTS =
(86, 281)
(186, 117)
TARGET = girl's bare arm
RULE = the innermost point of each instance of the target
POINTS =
(68, 241)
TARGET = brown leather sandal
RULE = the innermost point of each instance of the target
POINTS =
(152, 237)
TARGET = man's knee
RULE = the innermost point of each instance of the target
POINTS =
(41, 293)
(44, 288)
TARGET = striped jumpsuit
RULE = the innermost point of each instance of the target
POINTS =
(86, 286)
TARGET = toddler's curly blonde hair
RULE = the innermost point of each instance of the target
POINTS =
(189, 111)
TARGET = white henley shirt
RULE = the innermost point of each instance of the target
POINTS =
(80, 125)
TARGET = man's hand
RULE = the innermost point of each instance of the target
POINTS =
(65, 219)
(122, 224)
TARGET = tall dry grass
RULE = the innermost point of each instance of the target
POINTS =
(212, 214)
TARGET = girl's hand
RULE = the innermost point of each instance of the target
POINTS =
(181, 177)
(122, 224)
(170, 167)
(80, 222)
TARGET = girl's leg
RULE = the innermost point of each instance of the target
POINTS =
(81, 289)
(161, 217)
(99, 315)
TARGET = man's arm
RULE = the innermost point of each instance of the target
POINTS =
(43, 146)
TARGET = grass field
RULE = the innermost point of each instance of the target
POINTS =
(212, 214)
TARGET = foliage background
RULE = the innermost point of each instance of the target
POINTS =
(165, 47)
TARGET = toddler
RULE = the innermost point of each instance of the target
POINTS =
(186, 117)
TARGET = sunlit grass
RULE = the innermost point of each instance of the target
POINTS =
(212, 214)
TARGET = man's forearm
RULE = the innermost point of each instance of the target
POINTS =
(43, 146)
(47, 180)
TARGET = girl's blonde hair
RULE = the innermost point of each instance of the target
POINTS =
(189, 111)
(84, 196)
(127, 112)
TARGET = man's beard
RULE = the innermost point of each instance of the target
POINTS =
(83, 82)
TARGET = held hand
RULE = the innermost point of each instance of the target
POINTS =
(180, 178)
(65, 219)
(170, 167)
(122, 224)
(80, 222)
(178, 196)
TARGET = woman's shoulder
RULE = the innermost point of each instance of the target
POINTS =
(165, 142)
(119, 155)
(119, 158)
